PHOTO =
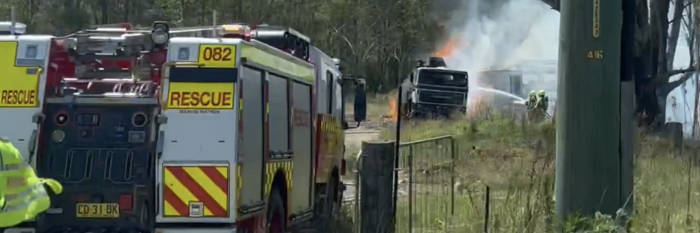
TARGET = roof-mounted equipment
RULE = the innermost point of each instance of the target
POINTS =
(286, 39)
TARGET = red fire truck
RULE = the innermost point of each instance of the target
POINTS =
(210, 129)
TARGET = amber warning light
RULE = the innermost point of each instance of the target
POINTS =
(235, 31)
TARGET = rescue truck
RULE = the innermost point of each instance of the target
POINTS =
(24, 61)
(253, 139)
(234, 130)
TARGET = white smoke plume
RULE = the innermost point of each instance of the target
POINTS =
(502, 35)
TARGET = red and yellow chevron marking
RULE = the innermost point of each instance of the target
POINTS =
(330, 146)
(272, 167)
(187, 185)
(239, 184)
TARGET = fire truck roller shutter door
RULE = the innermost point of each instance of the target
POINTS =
(250, 151)
(301, 145)
(279, 116)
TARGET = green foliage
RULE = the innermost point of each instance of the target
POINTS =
(599, 223)
(378, 40)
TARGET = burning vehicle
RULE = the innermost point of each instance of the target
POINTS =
(434, 90)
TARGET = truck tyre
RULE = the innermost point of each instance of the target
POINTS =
(334, 199)
(276, 214)
(331, 206)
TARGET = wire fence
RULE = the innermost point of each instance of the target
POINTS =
(426, 190)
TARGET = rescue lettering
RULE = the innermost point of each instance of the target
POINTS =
(18, 97)
(196, 99)
(200, 95)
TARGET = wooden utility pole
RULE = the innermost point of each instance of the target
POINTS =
(594, 109)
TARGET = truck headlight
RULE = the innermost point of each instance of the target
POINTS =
(58, 136)
(160, 37)
(160, 33)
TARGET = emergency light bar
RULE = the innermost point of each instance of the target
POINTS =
(234, 30)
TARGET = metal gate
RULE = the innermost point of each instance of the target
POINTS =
(426, 189)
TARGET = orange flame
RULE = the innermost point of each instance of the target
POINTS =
(447, 50)
(393, 109)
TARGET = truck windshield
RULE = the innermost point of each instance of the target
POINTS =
(442, 78)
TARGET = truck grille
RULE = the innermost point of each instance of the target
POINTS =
(440, 97)
(79, 165)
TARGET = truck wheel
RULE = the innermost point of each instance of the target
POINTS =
(334, 200)
(330, 207)
(276, 217)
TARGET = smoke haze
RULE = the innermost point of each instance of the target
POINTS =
(495, 34)
(519, 35)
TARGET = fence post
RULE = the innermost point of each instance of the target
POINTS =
(410, 189)
(452, 178)
(487, 208)
(376, 187)
(356, 216)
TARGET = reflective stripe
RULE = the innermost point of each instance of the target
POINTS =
(2, 165)
(29, 191)
(16, 182)
(35, 196)
(13, 166)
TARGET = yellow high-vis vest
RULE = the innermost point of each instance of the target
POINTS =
(22, 193)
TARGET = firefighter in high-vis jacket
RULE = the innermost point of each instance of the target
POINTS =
(531, 100)
(542, 101)
(22, 193)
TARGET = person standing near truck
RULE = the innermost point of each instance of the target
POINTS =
(360, 106)
(22, 194)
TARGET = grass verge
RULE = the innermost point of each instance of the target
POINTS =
(516, 161)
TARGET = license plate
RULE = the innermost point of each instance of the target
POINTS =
(97, 210)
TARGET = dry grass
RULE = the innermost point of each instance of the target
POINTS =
(516, 161)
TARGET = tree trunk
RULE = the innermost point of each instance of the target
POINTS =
(646, 96)
(696, 46)
(658, 43)
(695, 107)
(104, 8)
(678, 7)
(203, 12)
(127, 6)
